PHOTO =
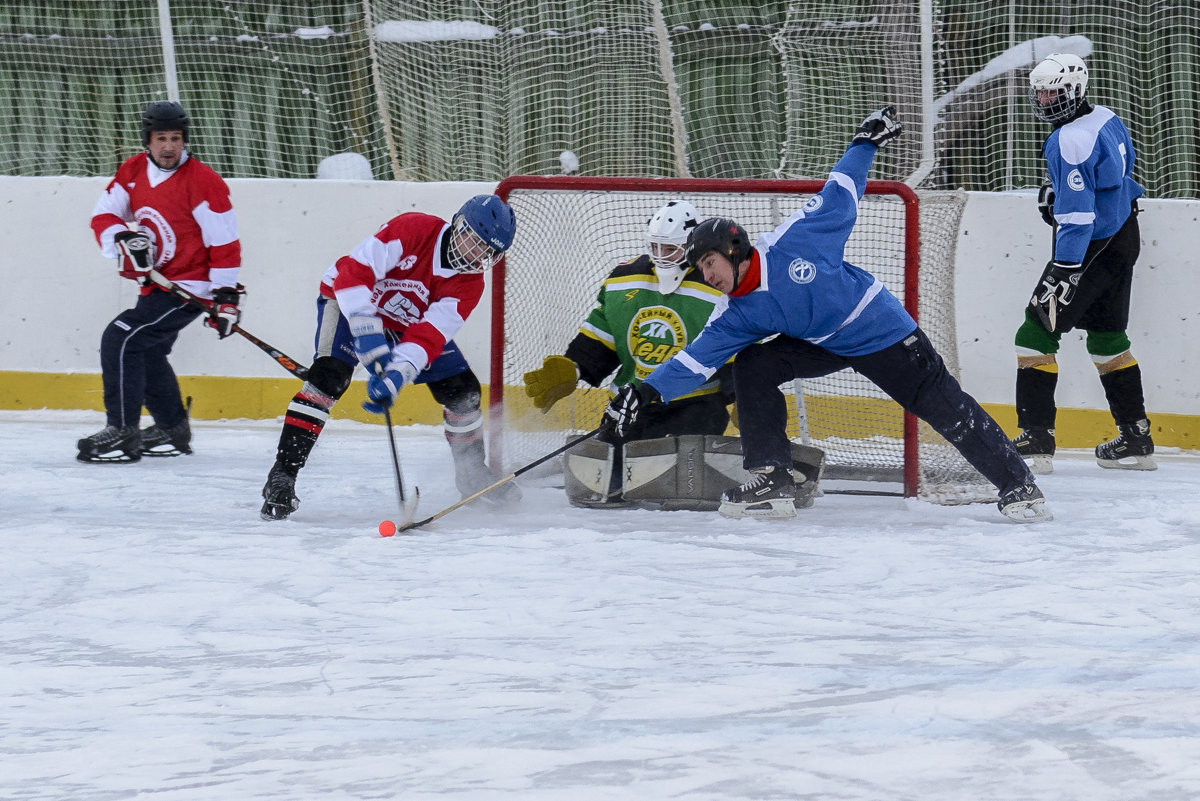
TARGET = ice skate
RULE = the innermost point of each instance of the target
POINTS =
(770, 493)
(173, 441)
(1025, 504)
(279, 494)
(1133, 448)
(470, 477)
(1036, 446)
(111, 444)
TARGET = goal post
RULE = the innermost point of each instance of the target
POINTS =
(572, 232)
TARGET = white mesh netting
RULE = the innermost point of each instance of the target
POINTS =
(573, 237)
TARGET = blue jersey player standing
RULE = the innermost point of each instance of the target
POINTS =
(829, 315)
(1091, 199)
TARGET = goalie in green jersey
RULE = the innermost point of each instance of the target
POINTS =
(647, 310)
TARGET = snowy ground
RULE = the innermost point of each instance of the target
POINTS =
(159, 641)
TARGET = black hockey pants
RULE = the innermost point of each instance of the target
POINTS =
(911, 372)
(133, 357)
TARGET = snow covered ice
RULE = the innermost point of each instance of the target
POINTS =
(160, 641)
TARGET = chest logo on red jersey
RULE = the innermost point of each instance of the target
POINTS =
(154, 223)
(403, 300)
(655, 334)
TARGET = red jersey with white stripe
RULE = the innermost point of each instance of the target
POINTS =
(186, 211)
(398, 274)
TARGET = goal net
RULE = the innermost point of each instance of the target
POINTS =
(574, 231)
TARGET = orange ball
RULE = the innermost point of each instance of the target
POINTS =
(387, 528)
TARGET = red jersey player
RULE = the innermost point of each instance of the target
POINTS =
(186, 229)
(396, 302)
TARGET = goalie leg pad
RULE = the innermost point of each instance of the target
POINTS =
(588, 470)
(691, 471)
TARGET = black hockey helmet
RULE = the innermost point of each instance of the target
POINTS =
(164, 115)
(725, 236)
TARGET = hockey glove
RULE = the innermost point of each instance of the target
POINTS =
(553, 381)
(224, 314)
(1058, 287)
(879, 127)
(370, 343)
(1046, 203)
(624, 408)
(383, 387)
(134, 259)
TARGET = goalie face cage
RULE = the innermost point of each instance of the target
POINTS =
(572, 232)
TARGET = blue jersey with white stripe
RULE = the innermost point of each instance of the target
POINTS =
(808, 290)
(1090, 161)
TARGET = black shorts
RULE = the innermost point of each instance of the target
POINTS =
(1102, 300)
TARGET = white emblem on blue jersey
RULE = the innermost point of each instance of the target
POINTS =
(1075, 180)
(802, 271)
(813, 204)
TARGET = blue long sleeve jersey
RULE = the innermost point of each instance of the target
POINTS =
(807, 290)
(1090, 161)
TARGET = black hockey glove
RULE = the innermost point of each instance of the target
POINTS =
(1058, 287)
(134, 259)
(624, 408)
(879, 127)
(224, 313)
(1046, 203)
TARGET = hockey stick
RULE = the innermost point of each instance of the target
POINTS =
(407, 508)
(284, 361)
(505, 480)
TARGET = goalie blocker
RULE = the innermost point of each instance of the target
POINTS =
(675, 473)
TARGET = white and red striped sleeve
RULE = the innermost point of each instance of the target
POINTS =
(112, 211)
(365, 266)
(219, 231)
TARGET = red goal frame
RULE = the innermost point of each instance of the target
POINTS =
(684, 186)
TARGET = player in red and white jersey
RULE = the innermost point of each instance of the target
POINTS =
(394, 305)
(163, 210)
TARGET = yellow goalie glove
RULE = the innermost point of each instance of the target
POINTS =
(553, 381)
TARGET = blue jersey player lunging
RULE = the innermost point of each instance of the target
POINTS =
(829, 315)
(1091, 200)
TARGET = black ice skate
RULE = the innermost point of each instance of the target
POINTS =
(112, 444)
(1133, 449)
(1036, 446)
(770, 493)
(173, 441)
(279, 494)
(1025, 504)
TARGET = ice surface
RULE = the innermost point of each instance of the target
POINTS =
(160, 641)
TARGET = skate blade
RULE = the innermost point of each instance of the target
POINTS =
(1028, 511)
(1040, 464)
(170, 451)
(779, 509)
(116, 458)
(1129, 463)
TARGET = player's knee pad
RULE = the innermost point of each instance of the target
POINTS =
(692, 470)
(1103, 345)
(459, 394)
(1032, 336)
(330, 376)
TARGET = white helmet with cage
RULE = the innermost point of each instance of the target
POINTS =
(667, 235)
(1057, 85)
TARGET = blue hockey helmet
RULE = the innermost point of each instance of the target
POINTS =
(480, 233)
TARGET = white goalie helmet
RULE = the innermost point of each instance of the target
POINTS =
(1057, 85)
(667, 235)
